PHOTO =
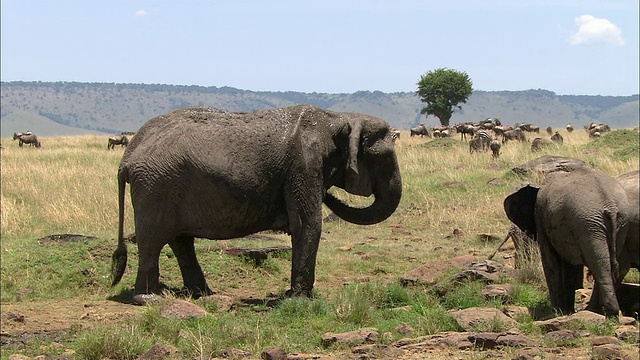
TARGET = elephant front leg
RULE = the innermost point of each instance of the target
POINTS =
(304, 243)
(303, 266)
(192, 275)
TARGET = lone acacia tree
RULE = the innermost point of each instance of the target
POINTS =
(442, 90)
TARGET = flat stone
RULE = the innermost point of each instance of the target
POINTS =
(183, 310)
(473, 318)
(357, 337)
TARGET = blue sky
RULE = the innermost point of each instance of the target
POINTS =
(573, 47)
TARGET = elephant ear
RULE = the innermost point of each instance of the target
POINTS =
(357, 179)
(520, 208)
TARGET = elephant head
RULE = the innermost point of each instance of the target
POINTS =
(371, 168)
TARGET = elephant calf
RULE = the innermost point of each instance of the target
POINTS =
(208, 173)
(580, 218)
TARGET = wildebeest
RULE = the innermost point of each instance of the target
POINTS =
(395, 134)
(27, 138)
(494, 145)
(549, 130)
(515, 134)
(420, 130)
(569, 128)
(121, 140)
(557, 138)
(466, 129)
(538, 143)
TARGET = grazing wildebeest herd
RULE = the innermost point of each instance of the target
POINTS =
(491, 134)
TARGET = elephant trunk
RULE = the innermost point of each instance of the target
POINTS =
(387, 197)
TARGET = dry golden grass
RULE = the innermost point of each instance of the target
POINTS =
(69, 186)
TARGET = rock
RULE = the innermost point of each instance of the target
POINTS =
(548, 164)
(377, 351)
(183, 310)
(602, 340)
(19, 357)
(500, 292)
(457, 340)
(159, 352)
(404, 329)
(576, 320)
(231, 353)
(472, 319)
(275, 353)
(562, 336)
(428, 274)
(357, 337)
(224, 303)
(516, 312)
(529, 353)
(612, 351)
(628, 333)
(488, 237)
(491, 340)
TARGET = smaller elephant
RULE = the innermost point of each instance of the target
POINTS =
(579, 219)
(122, 140)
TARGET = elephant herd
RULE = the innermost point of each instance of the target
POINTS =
(230, 174)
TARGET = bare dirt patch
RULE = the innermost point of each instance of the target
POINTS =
(62, 315)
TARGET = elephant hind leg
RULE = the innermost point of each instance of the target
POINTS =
(148, 277)
(192, 275)
(563, 279)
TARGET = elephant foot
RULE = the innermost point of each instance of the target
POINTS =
(298, 292)
(196, 292)
(144, 299)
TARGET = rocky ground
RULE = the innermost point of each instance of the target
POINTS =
(48, 321)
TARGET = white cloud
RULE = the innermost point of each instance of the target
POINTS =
(141, 13)
(593, 30)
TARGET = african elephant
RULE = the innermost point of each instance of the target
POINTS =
(229, 174)
(579, 219)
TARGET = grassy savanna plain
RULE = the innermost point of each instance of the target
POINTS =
(62, 288)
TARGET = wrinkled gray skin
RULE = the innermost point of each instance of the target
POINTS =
(630, 257)
(579, 219)
(209, 173)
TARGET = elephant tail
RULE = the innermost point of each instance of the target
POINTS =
(614, 225)
(119, 258)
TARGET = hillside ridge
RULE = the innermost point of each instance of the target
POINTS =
(70, 108)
